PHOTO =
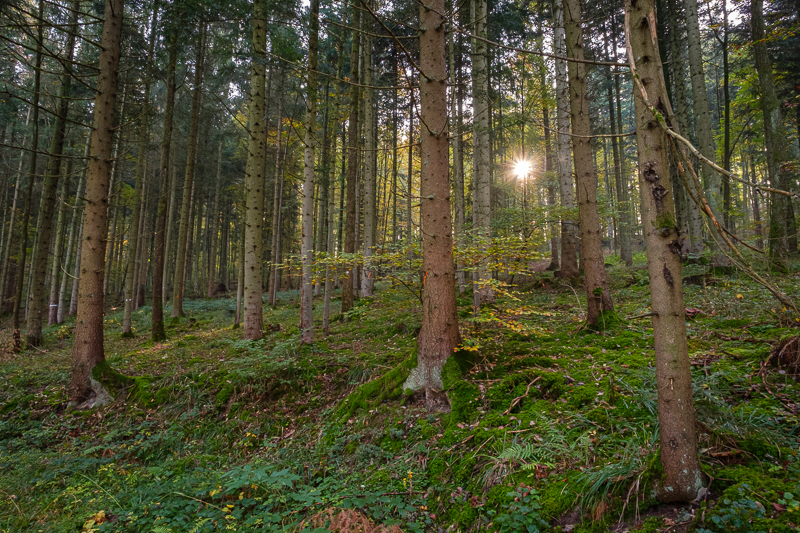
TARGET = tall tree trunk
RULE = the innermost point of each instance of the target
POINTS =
(694, 218)
(157, 320)
(620, 184)
(481, 148)
(23, 249)
(276, 204)
(77, 215)
(58, 250)
(169, 245)
(756, 205)
(569, 257)
(702, 114)
(458, 152)
(774, 141)
(599, 304)
(178, 285)
(683, 479)
(352, 150)
(87, 350)
(240, 271)
(49, 189)
(307, 251)
(141, 161)
(370, 170)
(726, 152)
(214, 229)
(439, 334)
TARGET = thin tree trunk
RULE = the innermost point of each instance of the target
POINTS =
(569, 257)
(178, 284)
(77, 212)
(482, 156)
(133, 234)
(774, 141)
(352, 150)
(158, 333)
(307, 251)
(458, 154)
(87, 350)
(599, 304)
(756, 207)
(214, 229)
(276, 205)
(682, 479)
(58, 250)
(23, 249)
(49, 189)
(370, 171)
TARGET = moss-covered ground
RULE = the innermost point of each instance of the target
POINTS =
(552, 427)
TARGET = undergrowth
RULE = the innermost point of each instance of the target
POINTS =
(551, 427)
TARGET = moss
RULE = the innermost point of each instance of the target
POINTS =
(606, 320)
(224, 395)
(556, 497)
(127, 335)
(137, 388)
(389, 386)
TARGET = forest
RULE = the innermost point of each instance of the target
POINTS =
(395, 266)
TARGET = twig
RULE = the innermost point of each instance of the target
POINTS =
(516, 400)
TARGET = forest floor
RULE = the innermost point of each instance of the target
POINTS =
(552, 427)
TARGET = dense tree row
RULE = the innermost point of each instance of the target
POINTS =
(159, 151)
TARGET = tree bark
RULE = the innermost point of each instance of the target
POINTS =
(370, 171)
(157, 319)
(214, 225)
(58, 249)
(87, 350)
(307, 252)
(458, 152)
(774, 141)
(77, 212)
(683, 479)
(141, 161)
(569, 257)
(178, 283)
(481, 148)
(49, 189)
(599, 304)
(352, 150)
(439, 334)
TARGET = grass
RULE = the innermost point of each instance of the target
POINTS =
(236, 435)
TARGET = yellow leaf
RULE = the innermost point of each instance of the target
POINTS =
(739, 296)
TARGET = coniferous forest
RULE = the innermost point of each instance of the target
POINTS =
(390, 266)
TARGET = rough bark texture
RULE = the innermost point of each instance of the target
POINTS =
(683, 479)
(178, 280)
(133, 233)
(569, 257)
(157, 319)
(439, 334)
(352, 150)
(254, 180)
(87, 350)
(598, 297)
(307, 252)
(774, 140)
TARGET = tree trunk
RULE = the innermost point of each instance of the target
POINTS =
(23, 249)
(49, 189)
(458, 153)
(683, 479)
(307, 252)
(276, 204)
(77, 212)
(439, 334)
(58, 250)
(569, 257)
(352, 150)
(481, 148)
(370, 171)
(178, 280)
(214, 229)
(157, 320)
(774, 141)
(599, 304)
(702, 114)
(87, 350)
(141, 161)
